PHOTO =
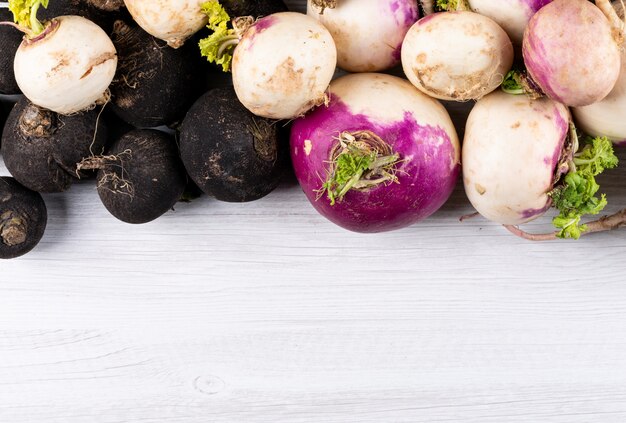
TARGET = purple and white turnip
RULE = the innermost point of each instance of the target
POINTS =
(457, 55)
(571, 49)
(380, 156)
(368, 33)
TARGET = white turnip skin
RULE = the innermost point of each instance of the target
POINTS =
(511, 151)
(414, 126)
(511, 15)
(368, 33)
(173, 21)
(606, 117)
(456, 55)
(572, 52)
(283, 65)
(68, 67)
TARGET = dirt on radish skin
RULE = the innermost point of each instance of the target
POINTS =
(368, 33)
(228, 152)
(154, 84)
(23, 219)
(10, 40)
(391, 114)
(41, 148)
(141, 176)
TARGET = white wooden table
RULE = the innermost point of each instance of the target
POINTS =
(265, 312)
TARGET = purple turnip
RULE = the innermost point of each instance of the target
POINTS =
(457, 55)
(381, 156)
(23, 218)
(521, 157)
(572, 50)
(368, 33)
(281, 65)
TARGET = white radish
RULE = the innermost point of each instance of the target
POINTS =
(173, 21)
(512, 152)
(68, 67)
(368, 33)
(283, 65)
(457, 55)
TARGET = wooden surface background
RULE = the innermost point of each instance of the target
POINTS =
(265, 312)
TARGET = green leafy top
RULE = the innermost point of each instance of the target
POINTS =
(576, 196)
(358, 166)
(451, 5)
(512, 83)
(25, 14)
(218, 47)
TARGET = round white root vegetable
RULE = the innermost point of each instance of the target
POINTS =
(283, 65)
(368, 33)
(511, 15)
(456, 55)
(512, 148)
(68, 67)
(606, 117)
(173, 21)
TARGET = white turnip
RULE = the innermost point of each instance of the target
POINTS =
(281, 65)
(457, 55)
(173, 21)
(368, 33)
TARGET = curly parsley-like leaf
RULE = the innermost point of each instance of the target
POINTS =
(218, 47)
(576, 196)
(25, 14)
(512, 83)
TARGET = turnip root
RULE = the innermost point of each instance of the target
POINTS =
(228, 152)
(282, 64)
(368, 33)
(457, 55)
(41, 149)
(381, 156)
(521, 157)
(23, 219)
(65, 66)
(173, 21)
(572, 51)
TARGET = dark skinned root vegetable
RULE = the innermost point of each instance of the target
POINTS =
(228, 152)
(141, 177)
(154, 84)
(604, 224)
(41, 149)
(23, 218)
(10, 39)
(89, 9)
(256, 8)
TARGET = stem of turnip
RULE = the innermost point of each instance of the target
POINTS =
(23, 30)
(360, 160)
(604, 224)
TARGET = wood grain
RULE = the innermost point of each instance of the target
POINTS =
(265, 312)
